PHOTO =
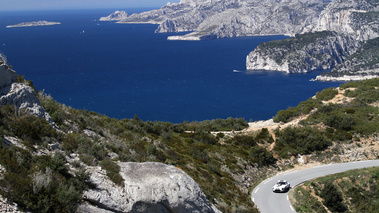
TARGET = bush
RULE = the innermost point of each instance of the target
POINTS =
(332, 198)
(342, 122)
(326, 94)
(261, 156)
(69, 197)
(113, 171)
(302, 140)
(244, 140)
(303, 108)
(58, 162)
(32, 128)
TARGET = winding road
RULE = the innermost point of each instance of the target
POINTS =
(270, 202)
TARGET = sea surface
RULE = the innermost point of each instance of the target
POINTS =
(122, 70)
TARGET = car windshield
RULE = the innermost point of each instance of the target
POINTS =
(281, 183)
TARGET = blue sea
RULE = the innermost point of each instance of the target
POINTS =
(122, 70)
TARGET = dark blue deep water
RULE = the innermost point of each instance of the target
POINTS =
(125, 69)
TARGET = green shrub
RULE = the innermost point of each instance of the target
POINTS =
(301, 140)
(87, 159)
(113, 171)
(244, 140)
(261, 156)
(332, 198)
(342, 122)
(69, 197)
(32, 128)
(303, 108)
(326, 94)
(58, 162)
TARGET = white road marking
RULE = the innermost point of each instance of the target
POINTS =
(292, 208)
(254, 200)
(266, 181)
(288, 198)
(256, 190)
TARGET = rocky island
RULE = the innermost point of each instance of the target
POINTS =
(34, 24)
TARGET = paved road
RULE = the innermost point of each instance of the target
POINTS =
(269, 202)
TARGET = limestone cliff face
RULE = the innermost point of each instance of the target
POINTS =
(148, 187)
(7, 75)
(232, 18)
(302, 53)
(357, 18)
(20, 95)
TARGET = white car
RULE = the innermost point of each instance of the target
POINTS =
(281, 186)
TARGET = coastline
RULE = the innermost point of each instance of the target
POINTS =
(345, 78)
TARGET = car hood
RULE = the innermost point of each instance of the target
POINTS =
(278, 187)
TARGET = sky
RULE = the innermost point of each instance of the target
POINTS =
(15, 5)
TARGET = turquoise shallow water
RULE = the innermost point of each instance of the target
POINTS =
(125, 69)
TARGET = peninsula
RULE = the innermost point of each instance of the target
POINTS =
(34, 24)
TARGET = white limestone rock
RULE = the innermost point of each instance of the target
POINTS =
(20, 95)
(23, 97)
(303, 53)
(116, 16)
(345, 78)
(148, 187)
(357, 18)
(7, 76)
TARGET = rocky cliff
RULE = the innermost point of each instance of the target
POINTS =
(148, 187)
(358, 18)
(302, 53)
(232, 18)
(363, 64)
(343, 27)
(20, 95)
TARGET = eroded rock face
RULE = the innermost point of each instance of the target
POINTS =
(148, 187)
(7, 76)
(303, 53)
(23, 97)
(357, 18)
(20, 95)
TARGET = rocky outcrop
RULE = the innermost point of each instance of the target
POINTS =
(20, 95)
(7, 76)
(357, 18)
(302, 53)
(363, 64)
(232, 18)
(116, 16)
(148, 187)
